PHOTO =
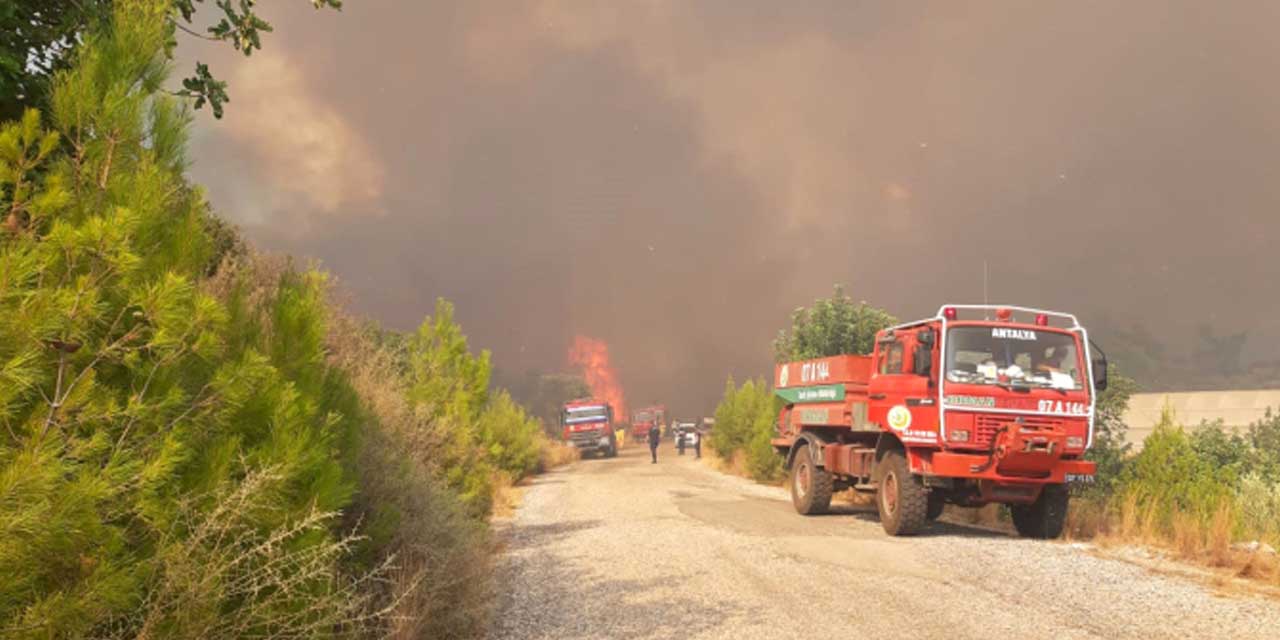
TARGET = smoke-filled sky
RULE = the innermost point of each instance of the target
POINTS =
(674, 176)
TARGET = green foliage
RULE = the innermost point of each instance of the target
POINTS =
(1110, 449)
(1199, 475)
(1170, 477)
(1228, 452)
(137, 396)
(35, 36)
(545, 394)
(1264, 440)
(186, 451)
(39, 38)
(450, 387)
(745, 420)
(1258, 499)
(513, 439)
(833, 326)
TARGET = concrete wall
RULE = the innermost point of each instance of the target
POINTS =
(1234, 408)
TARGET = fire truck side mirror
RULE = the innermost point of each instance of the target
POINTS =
(922, 360)
(1099, 366)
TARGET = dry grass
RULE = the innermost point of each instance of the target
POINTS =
(556, 454)
(506, 496)
(856, 498)
(441, 585)
(990, 516)
(736, 466)
(1205, 542)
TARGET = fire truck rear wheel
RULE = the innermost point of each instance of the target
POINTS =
(811, 486)
(1045, 518)
(901, 497)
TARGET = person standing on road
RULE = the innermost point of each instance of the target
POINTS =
(655, 436)
(697, 444)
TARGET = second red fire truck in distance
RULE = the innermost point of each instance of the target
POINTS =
(588, 425)
(644, 418)
(949, 409)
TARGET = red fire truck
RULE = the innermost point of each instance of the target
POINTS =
(644, 418)
(997, 407)
(588, 425)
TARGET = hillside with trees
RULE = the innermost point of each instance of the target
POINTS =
(197, 441)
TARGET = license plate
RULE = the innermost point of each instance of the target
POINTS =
(1079, 478)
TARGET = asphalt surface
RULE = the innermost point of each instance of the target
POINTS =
(622, 548)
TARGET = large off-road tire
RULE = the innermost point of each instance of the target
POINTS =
(612, 451)
(810, 485)
(901, 496)
(1044, 518)
(936, 505)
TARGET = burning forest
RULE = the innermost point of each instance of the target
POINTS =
(591, 356)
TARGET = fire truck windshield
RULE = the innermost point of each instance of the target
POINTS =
(592, 413)
(1013, 356)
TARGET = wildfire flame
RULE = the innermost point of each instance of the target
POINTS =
(592, 356)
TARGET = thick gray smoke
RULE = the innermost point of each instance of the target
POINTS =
(673, 177)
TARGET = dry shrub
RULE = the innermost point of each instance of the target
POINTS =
(1260, 566)
(1088, 519)
(279, 587)
(1186, 535)
(857, 498)
(1129, 517)
(506, 496)
(441, 584)
(556, 454)
(991, 515)
(1218, 537)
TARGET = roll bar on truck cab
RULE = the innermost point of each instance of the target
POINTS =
(978, 404)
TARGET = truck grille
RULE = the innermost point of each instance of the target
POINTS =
(585, 438)
(986, 426)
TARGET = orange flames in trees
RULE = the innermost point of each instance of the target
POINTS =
(592, 356)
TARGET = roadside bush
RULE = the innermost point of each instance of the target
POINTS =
(1258, 500)
(137, 399)
(513, 439)
(1169, 477)
(744, 425)
(195, 441)
(1110, 450)
(1264, 440)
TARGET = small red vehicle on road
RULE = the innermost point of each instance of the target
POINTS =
(588, 425)
(947, 410)
(644, 418)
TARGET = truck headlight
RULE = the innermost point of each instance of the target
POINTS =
(1075, 442)
(958, 435)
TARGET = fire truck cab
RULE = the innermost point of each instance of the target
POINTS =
(588, 425)
(975, 405)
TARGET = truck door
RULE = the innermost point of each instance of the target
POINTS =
(900, 399)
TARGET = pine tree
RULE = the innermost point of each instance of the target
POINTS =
(146, 420)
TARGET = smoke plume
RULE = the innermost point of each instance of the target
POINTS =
(674, 177)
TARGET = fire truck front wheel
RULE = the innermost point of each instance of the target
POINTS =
(1044, 518)
(901, 497)
(811, 485)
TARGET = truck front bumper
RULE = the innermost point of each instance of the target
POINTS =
(978, 467)
(590, 443)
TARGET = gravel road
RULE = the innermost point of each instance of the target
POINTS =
(623, 548)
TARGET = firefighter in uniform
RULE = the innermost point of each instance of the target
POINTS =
(655, 436)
